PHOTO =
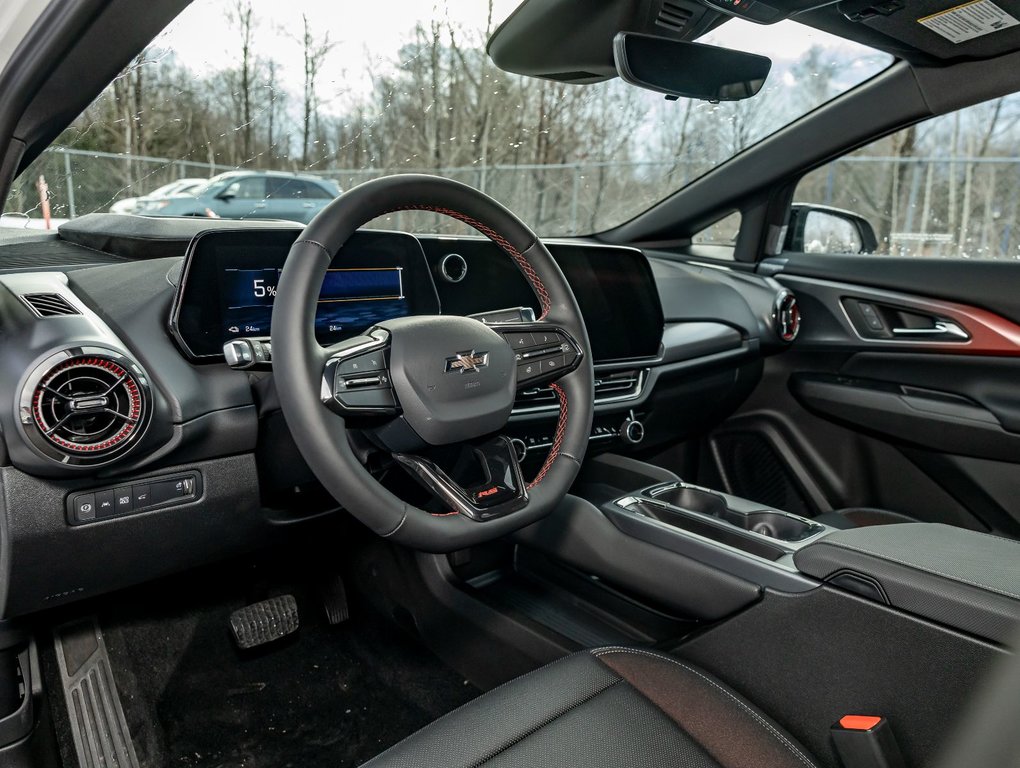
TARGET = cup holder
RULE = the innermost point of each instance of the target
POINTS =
(776, 525)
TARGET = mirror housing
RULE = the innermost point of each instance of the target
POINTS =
(688, 70)
(822, 229)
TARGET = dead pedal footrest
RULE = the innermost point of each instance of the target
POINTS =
(264, 622)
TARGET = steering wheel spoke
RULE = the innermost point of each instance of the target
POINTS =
(356, 376)
(498, 487)
(544, 351)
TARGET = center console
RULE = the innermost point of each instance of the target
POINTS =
(745, 538)
(704, 553)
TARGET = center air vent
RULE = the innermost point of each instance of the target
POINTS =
(609, 388)
(85, 408)
(48, 304)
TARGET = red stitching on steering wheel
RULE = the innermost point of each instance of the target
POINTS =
(522, 263)
(561, 428)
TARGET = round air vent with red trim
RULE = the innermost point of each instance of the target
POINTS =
(85, 406)
(786, 315)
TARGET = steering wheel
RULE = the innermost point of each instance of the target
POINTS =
(431, 381)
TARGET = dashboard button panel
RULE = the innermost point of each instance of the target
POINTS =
(153, 493)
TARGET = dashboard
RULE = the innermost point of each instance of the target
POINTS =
(131, 449)
(229, 280)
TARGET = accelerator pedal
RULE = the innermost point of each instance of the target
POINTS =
(264, 622)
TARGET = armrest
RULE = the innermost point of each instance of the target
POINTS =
(966, 580)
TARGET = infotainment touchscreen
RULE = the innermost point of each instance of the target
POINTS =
(230, 282)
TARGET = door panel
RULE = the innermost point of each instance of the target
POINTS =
(925, 422)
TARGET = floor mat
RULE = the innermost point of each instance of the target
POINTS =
(327, 696)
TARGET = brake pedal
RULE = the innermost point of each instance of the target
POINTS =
(264, 622)
(334, 598)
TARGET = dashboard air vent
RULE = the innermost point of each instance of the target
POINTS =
(48, 304)
(85, 408)
(610, 387)
(673, 16)
(786, 316)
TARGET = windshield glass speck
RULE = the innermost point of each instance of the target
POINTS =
(301, 87)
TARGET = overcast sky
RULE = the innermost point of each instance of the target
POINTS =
(375, 29)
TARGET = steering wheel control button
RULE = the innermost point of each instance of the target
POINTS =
(547, 339)
(370, 361)
(520, 341)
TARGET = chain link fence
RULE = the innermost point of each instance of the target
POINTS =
(930, 207)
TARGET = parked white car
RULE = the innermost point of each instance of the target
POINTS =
(179, 187)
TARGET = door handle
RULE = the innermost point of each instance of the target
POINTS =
(942, 329)
(308, 205)
(260, 205)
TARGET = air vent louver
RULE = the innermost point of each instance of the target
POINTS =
(49, 304)
(621, 385)
(787, 317)
(673, 16)
(85, 409)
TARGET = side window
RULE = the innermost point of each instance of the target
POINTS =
(312, 191)
(296, 189)
(946, 188)
(248, 189)
(723, 232)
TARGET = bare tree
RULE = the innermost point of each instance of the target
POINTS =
(315, 52)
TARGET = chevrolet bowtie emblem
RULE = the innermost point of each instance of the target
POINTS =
(467, 362)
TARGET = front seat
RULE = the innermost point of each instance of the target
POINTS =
(603, 708)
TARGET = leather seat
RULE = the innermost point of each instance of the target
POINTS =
(603, 708)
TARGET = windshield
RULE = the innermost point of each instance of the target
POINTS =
(300, 87)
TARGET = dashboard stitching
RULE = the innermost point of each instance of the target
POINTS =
(522, 262)
(561, 428)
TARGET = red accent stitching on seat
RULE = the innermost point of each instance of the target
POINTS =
(561, 428)
(522, 263)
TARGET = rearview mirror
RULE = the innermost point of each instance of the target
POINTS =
(688, 70)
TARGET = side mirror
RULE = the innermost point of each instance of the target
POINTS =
(688, 70)
(820, 229)
(226, 195)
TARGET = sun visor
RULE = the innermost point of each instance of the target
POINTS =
(944, 29)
